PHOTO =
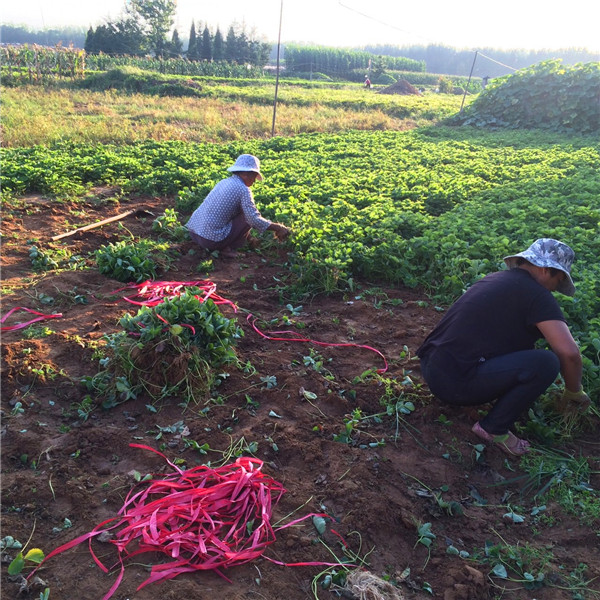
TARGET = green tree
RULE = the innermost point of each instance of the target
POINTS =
(206, 52)
(157, 19)
(218, 46)
(243, 48)
(174, 48)
(89, 45)
(231, 49)
(259, 53)
(121, 37)
(192, 44)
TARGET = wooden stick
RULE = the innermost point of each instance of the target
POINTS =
(94, 225)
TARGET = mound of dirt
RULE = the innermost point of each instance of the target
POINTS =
(401, 87)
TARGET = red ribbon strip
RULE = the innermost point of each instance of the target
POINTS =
(41, 317)
(202, 518)
(155, 292)
(299, 338)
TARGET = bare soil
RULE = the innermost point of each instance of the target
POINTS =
(57, 466)
(401, 87)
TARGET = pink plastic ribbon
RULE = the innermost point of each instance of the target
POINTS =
(297, 338)
(203, 518)
(40, 317)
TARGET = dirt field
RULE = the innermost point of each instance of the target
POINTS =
(58, 466)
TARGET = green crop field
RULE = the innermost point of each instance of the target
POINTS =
(435, 207)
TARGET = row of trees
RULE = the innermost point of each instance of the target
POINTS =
(126, 37)
(142, 31)
(338, 62)
(66, 36)
(238, 46)
(491, 62)
(145, 25)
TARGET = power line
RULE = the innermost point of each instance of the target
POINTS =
(497, 62)
(383, 22)
(417, 34)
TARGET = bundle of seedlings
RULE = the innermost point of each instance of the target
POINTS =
(173, 348)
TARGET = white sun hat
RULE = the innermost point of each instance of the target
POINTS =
(248, 163)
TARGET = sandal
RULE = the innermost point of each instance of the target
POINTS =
(508, 442)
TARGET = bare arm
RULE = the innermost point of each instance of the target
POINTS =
(561, 341)
(281, 231)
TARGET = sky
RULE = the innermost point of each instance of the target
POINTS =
(472, 24)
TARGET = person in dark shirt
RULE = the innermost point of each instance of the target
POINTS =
(483, 350)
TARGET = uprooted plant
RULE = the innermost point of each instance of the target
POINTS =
(173, 348)
(563, 478)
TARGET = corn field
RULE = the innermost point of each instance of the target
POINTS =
(36, 64)
(40, 64)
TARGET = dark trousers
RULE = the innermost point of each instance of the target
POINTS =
(236, 238)
(512, 382)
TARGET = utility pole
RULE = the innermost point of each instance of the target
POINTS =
(468, 82)
(277, 76)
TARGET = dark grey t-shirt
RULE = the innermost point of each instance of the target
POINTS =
(494, 317)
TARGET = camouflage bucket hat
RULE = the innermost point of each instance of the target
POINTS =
(547, 252)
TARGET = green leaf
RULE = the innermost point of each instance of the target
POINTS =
(10, 542)
(320, 524)
(499, 570)
(425, 531)
(16, 566)
(514, 517)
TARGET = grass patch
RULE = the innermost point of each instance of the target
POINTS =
(33, 115)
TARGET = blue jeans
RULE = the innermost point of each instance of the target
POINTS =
(512, 381)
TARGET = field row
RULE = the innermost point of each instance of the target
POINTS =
(436, 208)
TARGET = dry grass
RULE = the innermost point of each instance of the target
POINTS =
(34, 115)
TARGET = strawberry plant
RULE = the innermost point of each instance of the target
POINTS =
(383, 206)
(168, 225)
(125, 261)
(41, 260)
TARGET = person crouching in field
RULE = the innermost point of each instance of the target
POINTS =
(224, 219)
(483, 349)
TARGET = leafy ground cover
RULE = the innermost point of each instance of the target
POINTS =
(419, 502)
(435, 207)
(520, 101)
